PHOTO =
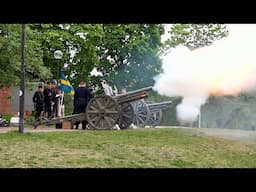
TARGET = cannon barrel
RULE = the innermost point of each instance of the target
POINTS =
(133, 95)
(159, 106)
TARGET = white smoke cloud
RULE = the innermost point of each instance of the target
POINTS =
(228, 66)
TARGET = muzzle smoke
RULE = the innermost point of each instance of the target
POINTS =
(227, 67)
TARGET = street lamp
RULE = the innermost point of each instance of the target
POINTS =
(22, 80)
(58, 55)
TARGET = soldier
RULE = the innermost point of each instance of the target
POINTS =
(54, 99)
(92, 94)
(47, 100)
(61, 102)
(60, 106)
(81, 99)
(38, 100)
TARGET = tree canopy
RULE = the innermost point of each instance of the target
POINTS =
(127, 55)
(194, 35)
(79, 44)
(10, 51)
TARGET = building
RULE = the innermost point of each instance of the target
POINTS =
(9, 99)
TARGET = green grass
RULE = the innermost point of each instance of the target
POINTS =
(139, 148)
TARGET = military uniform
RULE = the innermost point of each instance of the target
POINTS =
(47, 102)
(81, 99)
(38, 100)
(54, 102)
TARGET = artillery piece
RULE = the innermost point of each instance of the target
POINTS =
(149, 113)
(144, 113)
(156, 112)
(105, 111)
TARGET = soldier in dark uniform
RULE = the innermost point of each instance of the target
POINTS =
(47, 100)
(81, 99)
(54, 99)
(91, 95)
(38, 100)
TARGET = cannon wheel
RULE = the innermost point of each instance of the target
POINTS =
(155, 118)
(127, 115)
(102, 112)
(141, 113)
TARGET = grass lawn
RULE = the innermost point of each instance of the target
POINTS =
(138, 148)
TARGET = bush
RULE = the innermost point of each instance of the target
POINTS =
(7, 117)
(29, 118)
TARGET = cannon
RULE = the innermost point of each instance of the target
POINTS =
(156, 112)
(105, 111)
(149, 113)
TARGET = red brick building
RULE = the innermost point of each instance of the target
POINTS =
(5, 100)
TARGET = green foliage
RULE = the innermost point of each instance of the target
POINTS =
(36, 70)
(126, 54)
(29, 119)
(79, 44)
(9, 51)
(122, 52)
(10, 60)
(195, 35)
(7, 117)
(129, 54)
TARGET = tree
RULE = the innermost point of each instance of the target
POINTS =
(79, 44)
(194, 35)
(129, 54)
(121, 52)
(10, 51)
(9, 61)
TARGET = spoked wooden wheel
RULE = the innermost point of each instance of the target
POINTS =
(102, 112)
(142, 113)
(155, 118)
(126, 116)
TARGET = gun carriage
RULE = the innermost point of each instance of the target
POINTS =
(153, 112)
(105, 111)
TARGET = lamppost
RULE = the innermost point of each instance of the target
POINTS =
(22, 80)
(58, 55)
